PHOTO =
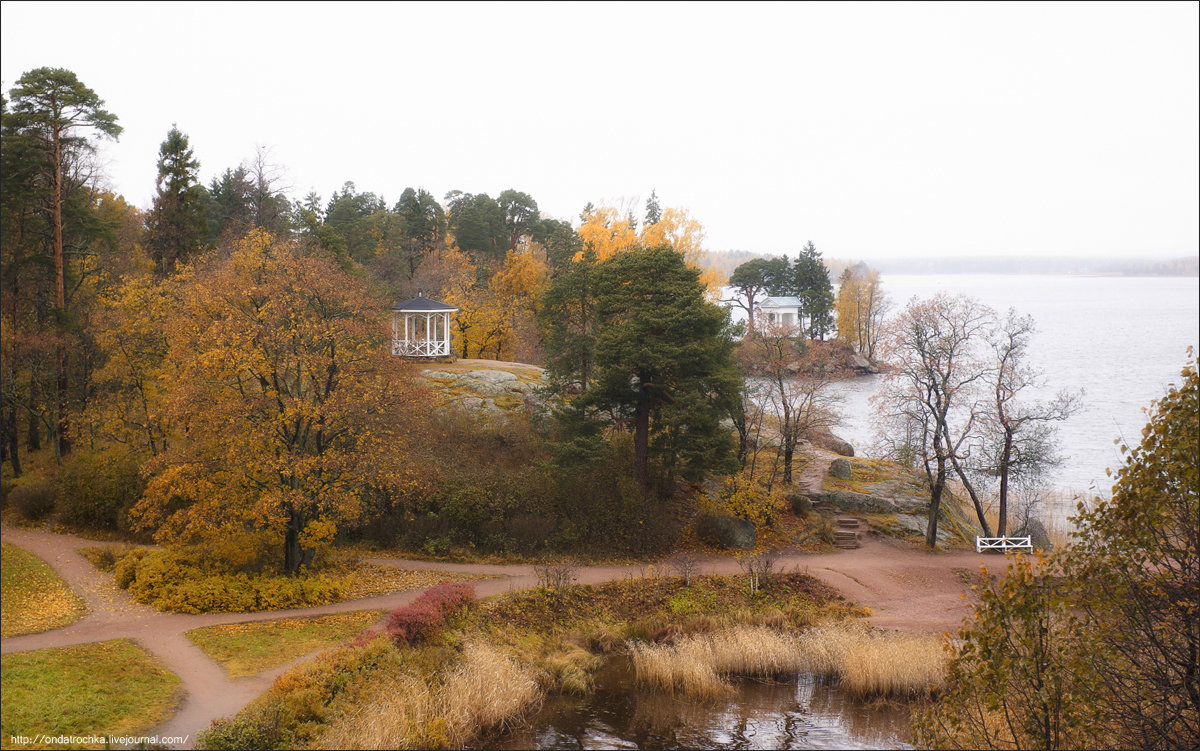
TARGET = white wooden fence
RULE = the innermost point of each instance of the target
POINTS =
(1003, 544)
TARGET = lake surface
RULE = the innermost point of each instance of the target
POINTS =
(1121, 339)
(803, 714)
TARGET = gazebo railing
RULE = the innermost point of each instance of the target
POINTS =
(420, 347)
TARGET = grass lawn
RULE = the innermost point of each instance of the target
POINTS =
(32, 597)
(249, 648)
(105, 688)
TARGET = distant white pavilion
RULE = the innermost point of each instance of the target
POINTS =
(421, 327)
(780, 312)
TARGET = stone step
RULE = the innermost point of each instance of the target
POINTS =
(847, 522)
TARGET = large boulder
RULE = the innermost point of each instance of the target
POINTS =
(841, 469)
(847, 500)
(800, 503)
(725, 531)
(862, 364)
(1038, 537)
(906, 496)
(828, 441)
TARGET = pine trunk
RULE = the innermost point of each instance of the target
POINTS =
(641, 438)
(61, 437)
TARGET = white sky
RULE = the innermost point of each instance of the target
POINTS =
(876, 131)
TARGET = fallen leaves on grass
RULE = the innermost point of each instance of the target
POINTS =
(370, 579)
(249, 648)
(32, 597)
(103, 688)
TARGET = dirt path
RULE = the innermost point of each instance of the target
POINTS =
(907, 588)
(812, 478)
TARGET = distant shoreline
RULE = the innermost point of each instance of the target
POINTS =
(1129, 266)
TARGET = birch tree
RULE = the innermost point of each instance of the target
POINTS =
(933, 347)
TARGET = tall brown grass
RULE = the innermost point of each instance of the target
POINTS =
(866, 662)
(483, 693)
(877, 663)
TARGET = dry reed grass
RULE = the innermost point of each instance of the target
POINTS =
(866, 662)
(876, 663)
(397, 714)
(698, 665)
(483, 693)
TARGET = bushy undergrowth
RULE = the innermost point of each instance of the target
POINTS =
(34, 497)
(98, 489)
(485, 500)
(172, 581)
(426, 615)
(294, 711)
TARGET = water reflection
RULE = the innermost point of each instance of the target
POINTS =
(806, 713)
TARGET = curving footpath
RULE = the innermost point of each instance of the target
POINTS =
(907, 588)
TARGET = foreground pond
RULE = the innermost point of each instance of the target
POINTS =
(806, 713)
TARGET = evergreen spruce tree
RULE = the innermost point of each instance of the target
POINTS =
(811, 281)
(177, 223)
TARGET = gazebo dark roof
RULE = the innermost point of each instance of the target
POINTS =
(421, 304)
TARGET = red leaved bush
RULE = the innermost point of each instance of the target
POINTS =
(424, 616)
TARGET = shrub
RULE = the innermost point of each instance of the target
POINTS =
(747, 498)
(725, 531)
(105, 557)
(425, 616)
(242, 733)
(556, 577)
(98, 490)
(34, 498)
(530, 531)
(170, 581)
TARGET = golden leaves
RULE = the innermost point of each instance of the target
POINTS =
(608, 234)
(33, 598)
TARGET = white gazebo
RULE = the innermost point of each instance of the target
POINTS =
(421, 327)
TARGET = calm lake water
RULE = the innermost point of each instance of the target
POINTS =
(802, 714)
(1121, 339)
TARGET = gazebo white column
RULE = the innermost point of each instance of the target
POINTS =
(431, 340)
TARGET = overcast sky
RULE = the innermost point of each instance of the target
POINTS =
(876, 131)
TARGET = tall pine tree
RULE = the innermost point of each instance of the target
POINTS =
(54, 110)
(663, 363)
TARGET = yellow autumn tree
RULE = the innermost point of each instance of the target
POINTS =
(287, 409)
(518, 287)
(609, 234)
(479, 323)
(861, 307)
(494, 314)
(131, 332)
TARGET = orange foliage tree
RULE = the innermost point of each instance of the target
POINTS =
(609, 234)
(287, 410)
(491, 316)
